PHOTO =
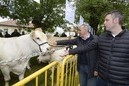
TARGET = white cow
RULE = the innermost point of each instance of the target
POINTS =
(16, 52)
(54, 55)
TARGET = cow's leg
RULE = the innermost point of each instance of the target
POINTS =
(28, 66)
(21, 76)
(6, 73)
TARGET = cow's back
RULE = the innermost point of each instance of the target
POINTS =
(12, 47)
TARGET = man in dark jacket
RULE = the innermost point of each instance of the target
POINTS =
(7, 35)
(86, 60)
(15, 33)
(113, 46)
(1, 35)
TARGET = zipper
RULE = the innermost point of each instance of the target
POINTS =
(109, 59)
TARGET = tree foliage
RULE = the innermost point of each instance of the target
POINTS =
(50, 14)
(47, 14)
(93, 10)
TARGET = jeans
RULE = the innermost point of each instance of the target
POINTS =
(92, 82)
(102, 82)
(83, 76)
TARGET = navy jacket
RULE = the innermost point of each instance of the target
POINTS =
(84, 57)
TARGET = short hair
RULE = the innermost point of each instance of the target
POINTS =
(116, 14)
(86, 25)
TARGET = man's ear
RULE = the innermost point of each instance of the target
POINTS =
(116, 20)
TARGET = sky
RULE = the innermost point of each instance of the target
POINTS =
(37, 1)
(1, 19)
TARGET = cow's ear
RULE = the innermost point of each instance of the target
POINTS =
(39, 29)
(49, 35)
(32, 34)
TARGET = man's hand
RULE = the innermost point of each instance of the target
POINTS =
(52, 43)
(66, 52)
(96, 73)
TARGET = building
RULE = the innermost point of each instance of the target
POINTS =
(10, 25)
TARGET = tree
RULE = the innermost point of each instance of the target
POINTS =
(3, 9)
(47, 14)
(93, 10)
(50, 14)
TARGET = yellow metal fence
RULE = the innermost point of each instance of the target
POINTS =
(54, 74)
(69, 75)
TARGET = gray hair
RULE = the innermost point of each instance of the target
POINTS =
(116, 14)
(86, 25)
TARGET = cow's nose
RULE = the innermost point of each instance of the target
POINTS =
(49, 48)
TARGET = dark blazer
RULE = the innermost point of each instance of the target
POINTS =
(84, 57)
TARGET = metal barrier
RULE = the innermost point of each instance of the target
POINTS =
(42, 73)
(69, 74)
(65, 75)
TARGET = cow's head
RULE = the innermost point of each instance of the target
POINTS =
(40, 39)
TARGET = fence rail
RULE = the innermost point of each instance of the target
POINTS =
(69, 75)
(62, 74)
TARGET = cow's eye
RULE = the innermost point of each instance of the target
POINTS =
(38, 38)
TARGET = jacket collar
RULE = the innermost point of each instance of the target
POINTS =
(120, 34)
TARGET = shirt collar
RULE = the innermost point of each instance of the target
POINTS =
(86, 37)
